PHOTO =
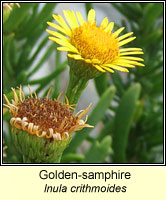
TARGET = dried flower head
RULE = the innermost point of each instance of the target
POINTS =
(44, 117)
(7, 9)
(96, 46)
(10, 5)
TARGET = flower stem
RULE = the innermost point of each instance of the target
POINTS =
(75, 88)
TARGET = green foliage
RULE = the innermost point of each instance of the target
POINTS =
(123, 122)
(130, 106)
(22, 32)
(146, 131)
(95, 116)
(98, 151)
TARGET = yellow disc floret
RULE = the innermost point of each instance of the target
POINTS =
(93, 43)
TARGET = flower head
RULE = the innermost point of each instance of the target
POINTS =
(42, 127)
(7, 9)
(98, 47)
(10, 5)
(44, 117)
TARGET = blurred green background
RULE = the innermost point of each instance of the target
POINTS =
(129, 107)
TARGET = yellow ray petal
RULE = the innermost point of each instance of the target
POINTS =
(99, 68)
(15, 95)
(65, 49)
(58, 28)
(123, 64)
(59, 96)
(67, 101)
(117, 67)
(137, 63)
(104, 23)
(131, 62)
(91, 16)
(68, 18)
(73, 49)
(30, 92)
(7, 101)
(95, 61)
(80, 111)
(64, 43)
(108, 69)
(124, 36)
(131, 53)
(75, 56)
(48, 93)
(131, 58)
(80, 18)
(74, 19)
(58, 35)
(71, 19)
(123, 42)
(60, 42)
(88, 60)
(84, 112)
(77, 128)
(62, 23)
(109, 28)
(20, 93)
(130, 49)
(35, 94)
(116, 33)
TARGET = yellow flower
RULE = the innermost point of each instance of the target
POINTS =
(97, 46)
(44, 117)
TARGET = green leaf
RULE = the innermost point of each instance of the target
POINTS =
(38, 50)
(152, 12)
(98, 151)
(155, 139)
(38, 21)
(123, 121)
(47, 79)
(107, 130)
(17, 16)
(139, 110)
(48, 52)
(117, 81)
(23, 59)
(71, 157)
(122, 9)
(6, 55)
(131, 8)
(96, 115)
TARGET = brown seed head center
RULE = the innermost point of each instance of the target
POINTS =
(46, 113)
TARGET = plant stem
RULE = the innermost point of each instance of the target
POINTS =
(75, 88)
